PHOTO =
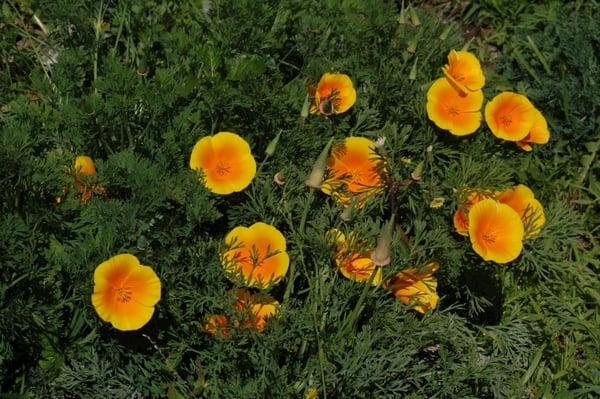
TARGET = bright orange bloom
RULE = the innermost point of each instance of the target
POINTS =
(353, 258)
(461, 216)
(125, 292)
(464, 71)
(538, 134)
(355, 172)
(530, 210)
(453, 111)
(226, 162)
(259, 307)
(217, 325)
(496, 231)
(510, 116)
(417, 288)
(334, 94)
(255, 255)
(84, 166)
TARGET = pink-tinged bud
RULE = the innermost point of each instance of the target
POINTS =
(279, 178)
(381, 256)
(418, 172)
(315, 179)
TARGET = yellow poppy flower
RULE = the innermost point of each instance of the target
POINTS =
(334, 94)
(125, 292)
(259, 307)
(226, 162)
(451, 110)
(353, 258)
(84, 166)
(461, 216)
(530, 210)
(354, 172)
(538, 134)
(256, 255)
(464, 71)
(417, 288)
(496, 231)
(510, 116)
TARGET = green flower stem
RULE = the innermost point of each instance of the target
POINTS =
(351, 319)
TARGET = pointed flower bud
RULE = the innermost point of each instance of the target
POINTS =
(279, 178)
(318, 170)
(381, 256)
(273, 145)
(414, 18)
(418, 172)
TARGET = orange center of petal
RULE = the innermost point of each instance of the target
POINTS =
(452, 110)
(123, 294)
(223, 168)
(489, 236)
(506, 120)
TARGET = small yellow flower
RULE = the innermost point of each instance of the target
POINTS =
(334, 94)
(437, 202)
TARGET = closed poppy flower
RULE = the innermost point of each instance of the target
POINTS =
(464, 71)
(257, 308)
(452, 110)
(510, 116)
(496, 231)
(255, 255)
(416, 288)
(353, 258)
(125, 292)
(84, 166)
(355, 172)
(84, 175)
(530, 210)
(226, 162)
(538, 133)
(334, 94)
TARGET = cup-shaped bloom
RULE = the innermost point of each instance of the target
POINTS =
(416, 288)
(496, 231)
(225, 160)
(255, 256)
(257, 308)
(530, 210)
(334, 94)
(353, 257)
(84, 166)
(510, 116)
(125, 292)
(355, 172)
(464, 71)
(452, 110)
(468, 198)
(538, 134)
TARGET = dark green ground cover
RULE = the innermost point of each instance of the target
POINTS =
(137, 92)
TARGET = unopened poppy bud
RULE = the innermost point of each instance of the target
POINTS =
(446, 32)
(305, 106)
(381, 256)
(315, 179)
(279, 178)
(418, 172)
(348, 212)
(413, 71)
(414, 18)
(412, 45)
(84, 166)
(272, 145)
(402, 18)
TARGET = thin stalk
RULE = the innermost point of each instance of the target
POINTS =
(350, 320)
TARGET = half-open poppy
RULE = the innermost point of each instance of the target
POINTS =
(334, 94)
(464, 71)
(417, 288)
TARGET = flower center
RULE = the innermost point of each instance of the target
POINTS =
(458, 76)
(223, 168)
(123, 294)
(490, 237)
(452, 110)
(505, 120)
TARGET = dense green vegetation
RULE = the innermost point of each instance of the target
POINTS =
(134, 84)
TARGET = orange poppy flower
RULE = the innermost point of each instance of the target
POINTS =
(538, 134)
(461, 216)
(84, 172)
(530, 210)
(451, 110)
(510, 116)
(496, 231)
(125, 292)
(256, 255)
(257, 307)
(84, 166)
(355, 172)
(353, 258)
(226, 162)
(417, 288)
(334, 94)
(464, 71)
